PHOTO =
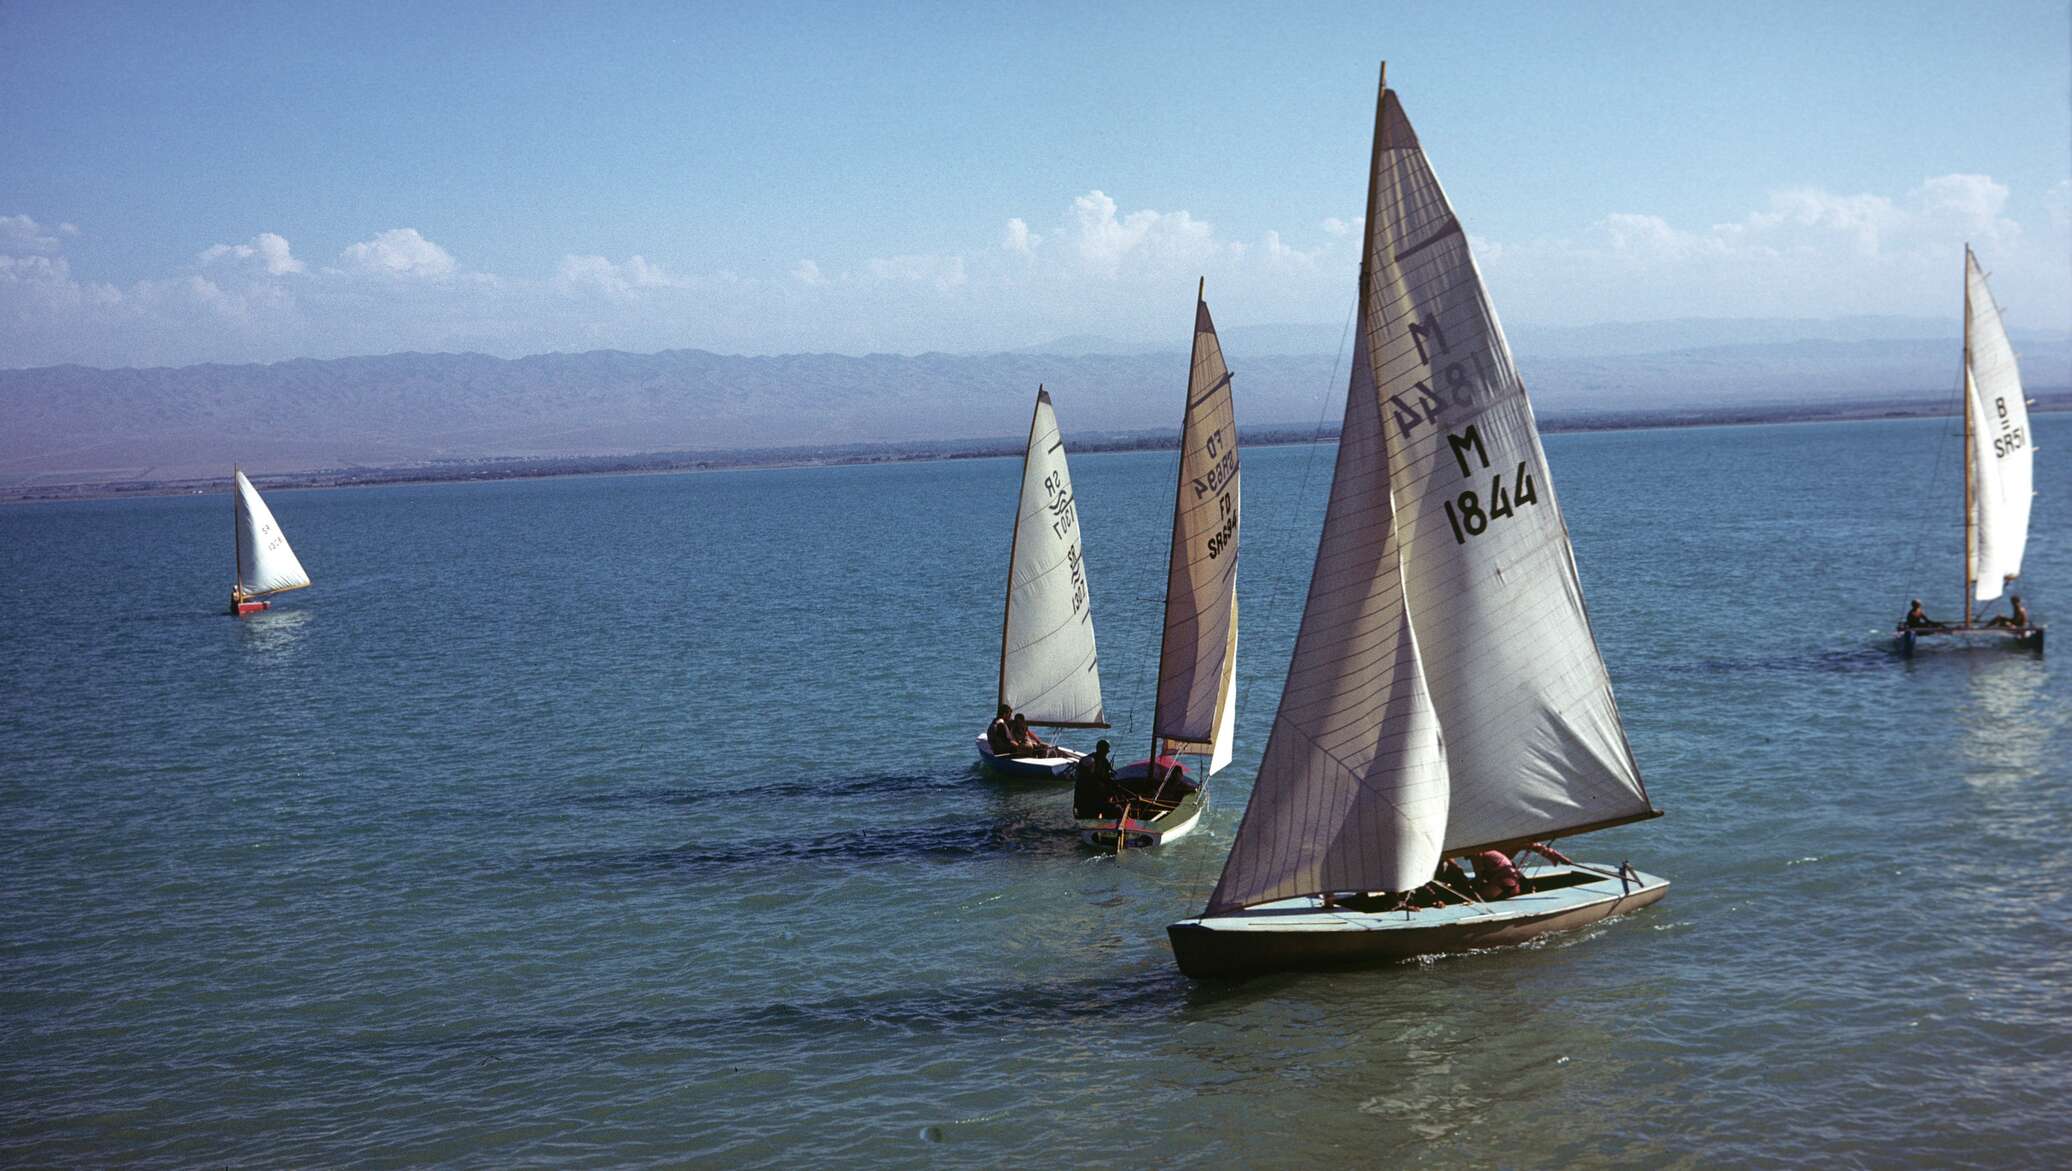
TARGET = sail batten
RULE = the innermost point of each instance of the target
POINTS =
(265, 562)
(2002, 455)
(1049, 664)
(1197, 662)
(1445, 689)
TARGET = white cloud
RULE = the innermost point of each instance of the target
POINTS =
(268, 250)
(398, 252)
(19, 233)
(1093, 267)
(628, 280)
(1018, 239)
(943, 272)
(1104, 241)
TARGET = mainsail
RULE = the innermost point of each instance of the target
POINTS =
(1049, 670)
(2001, 451)
(265, 563)
(1445, 693)
(1197, 658)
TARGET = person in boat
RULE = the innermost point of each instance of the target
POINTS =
(2019, 620)
(1918, 619)
(1096, 769)
(1000, 733)
(1496, 878)
(1027, 743)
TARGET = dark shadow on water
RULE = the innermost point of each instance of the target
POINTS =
(1852, 661)
(1155, 995)
(938, 841)
(871, 785)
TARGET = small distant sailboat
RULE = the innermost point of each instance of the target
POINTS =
(1999, 459)
(1445, 696)
(1154, 801)
(265, 564)
(1050, 671)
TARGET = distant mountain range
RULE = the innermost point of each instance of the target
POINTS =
(74, 424)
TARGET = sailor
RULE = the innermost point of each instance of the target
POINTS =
(1026, 743)
(2019, 620)
(1495, 877)
(1000, 734)
(1097, 768)
(1918, 619)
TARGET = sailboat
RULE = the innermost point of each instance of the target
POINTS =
(1999, 458)
(1050, 671)
(1154, 801)
(1445, 696)
(265, 564)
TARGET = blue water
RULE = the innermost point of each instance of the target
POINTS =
(622, 821)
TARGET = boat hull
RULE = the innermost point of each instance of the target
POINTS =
(1906, 642)
(249, 607)
(1166, 828)
(1029, 768)
(1299, 934)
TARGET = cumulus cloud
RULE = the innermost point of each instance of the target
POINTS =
(398, 252)
(267, 250)
(623, 281)
(19, 233)
(1105, 240)
(943, 272)
(1018, 239)
(1088, 263)
(1806, 251)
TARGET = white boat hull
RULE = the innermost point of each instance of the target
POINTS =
(1028, 768)
(1302, 933)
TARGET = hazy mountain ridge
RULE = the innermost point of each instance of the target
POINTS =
(85, 425)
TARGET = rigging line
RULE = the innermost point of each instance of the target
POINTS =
(1942, 449)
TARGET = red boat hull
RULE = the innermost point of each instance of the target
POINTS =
(250, 607)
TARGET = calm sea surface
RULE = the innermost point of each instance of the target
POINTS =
(618, 821)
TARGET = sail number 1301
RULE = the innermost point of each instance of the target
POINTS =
(1470, 513)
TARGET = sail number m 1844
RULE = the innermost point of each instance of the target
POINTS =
(1471, 513)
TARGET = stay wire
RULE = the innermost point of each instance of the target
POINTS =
(1913, 563)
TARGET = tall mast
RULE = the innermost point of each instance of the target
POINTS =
(1964, 407)
(237, 543)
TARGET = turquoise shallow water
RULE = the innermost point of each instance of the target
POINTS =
(620, 821)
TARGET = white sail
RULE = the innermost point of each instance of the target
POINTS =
(1049, 670)
(1351, 793)
(1449, 597)
(265, 563)
(1197, 661)
(2002, 456)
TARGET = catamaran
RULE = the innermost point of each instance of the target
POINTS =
(265, 565)
(1049, 669)
(1999, 458)
(1154, 801)
(1446, 695)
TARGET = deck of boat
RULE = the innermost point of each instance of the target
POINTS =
(1906, 640)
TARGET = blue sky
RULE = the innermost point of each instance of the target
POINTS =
(260, 182)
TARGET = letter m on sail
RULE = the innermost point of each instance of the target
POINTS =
(1419, 331)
